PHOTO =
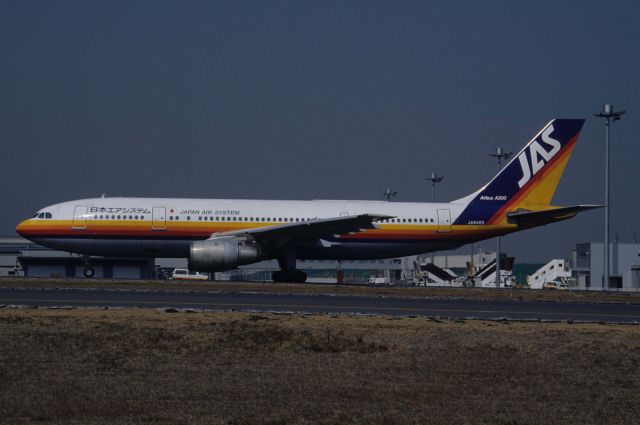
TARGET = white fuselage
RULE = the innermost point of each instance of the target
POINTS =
(165, 227)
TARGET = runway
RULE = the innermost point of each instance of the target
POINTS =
(333, 304)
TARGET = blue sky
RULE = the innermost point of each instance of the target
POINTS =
(310, 100)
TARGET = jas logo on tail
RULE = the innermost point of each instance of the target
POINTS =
(539, 156)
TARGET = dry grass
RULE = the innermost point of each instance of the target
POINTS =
(471, 293)
(124, 366)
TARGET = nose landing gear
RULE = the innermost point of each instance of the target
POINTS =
(88, 270)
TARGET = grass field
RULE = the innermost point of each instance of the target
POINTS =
(133, 366)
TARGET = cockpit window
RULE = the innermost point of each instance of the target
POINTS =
(42, 215)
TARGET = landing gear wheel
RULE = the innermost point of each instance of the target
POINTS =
(279, 276)
(282, 276)
(89, 272)
(299, 276)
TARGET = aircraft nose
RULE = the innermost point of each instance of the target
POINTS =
(21, 228)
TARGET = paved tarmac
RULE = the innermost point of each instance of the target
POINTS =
(350, 304)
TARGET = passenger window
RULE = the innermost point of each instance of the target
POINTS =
(41, 215)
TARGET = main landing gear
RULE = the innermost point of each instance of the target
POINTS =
(88, 270)
(288, 272)
(296, 276)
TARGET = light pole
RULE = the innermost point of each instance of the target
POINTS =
(435, 178)
(388, 193)
(608, 114)
(500, 154)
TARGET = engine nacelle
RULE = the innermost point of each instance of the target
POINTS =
(216, 255)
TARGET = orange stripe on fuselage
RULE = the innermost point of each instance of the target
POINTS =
(391, 232)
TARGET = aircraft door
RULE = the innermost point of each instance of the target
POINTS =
(444, 221)
(79, 217)
(159, 218)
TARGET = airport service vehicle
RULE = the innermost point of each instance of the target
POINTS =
(379, 281)
(555, 272)
(556, 284)
(185, 274)
(222, 234)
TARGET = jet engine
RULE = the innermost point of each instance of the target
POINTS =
(216, 255)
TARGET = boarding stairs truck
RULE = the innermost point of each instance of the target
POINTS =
(428, 274)
(553, 275)
(486, 276)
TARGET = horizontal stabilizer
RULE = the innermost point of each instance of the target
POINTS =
(524, 218)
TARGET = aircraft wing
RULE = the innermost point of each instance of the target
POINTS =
(524, 218)
(310, 229)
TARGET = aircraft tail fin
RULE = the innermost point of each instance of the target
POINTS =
(529, 180)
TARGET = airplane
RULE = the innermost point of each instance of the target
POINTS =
(222, 234)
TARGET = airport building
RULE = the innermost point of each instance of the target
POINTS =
(588, 260)
(20, 257)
